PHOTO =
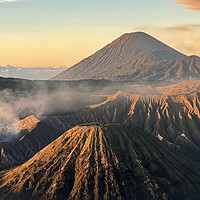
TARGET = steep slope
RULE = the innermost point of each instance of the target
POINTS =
(103, 162)
(29, 123)
(170, 116)
(130, 55)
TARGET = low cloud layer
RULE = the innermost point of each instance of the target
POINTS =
(14, 107)
(190, 4)
(32, 73)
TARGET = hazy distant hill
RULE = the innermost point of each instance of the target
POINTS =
(135, 56)
(32, 73)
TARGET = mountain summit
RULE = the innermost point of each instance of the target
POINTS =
(134, 43)
(135, 56)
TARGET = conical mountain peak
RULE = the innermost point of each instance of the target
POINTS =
(141, 41)
(129, 36)
(132, 56)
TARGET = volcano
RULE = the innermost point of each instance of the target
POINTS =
(132, 57)
(103, 162)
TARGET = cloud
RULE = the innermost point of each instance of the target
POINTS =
(32, 73)
(190, 4)
(4, 1)
(183, 27)
(182, 37)
(41, 100)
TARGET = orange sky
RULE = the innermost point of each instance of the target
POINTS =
(50, 51)
(66, 51)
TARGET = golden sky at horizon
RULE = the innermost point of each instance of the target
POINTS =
(45, 52)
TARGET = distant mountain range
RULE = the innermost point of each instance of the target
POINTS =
(32, 73)
(132, 57)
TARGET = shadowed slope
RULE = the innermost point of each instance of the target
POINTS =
(20, 150)
(103, 162)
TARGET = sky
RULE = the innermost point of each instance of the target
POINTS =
(48, 33)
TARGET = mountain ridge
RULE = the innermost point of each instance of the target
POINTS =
(170, 112)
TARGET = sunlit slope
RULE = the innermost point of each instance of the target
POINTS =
(29, 123)
(180, 88)
(103, 162)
